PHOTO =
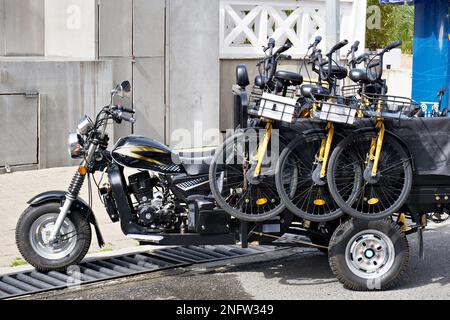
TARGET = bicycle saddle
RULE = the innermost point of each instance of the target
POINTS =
(314, 91)
(359, 75)
(289, 78)
(261, 81)
(338, 72)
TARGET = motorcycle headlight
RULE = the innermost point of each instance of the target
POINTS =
(85, 126)
(75, 146)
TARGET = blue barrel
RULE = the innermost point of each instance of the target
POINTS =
(431, 66)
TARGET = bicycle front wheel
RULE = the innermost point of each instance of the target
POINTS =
(356, 190)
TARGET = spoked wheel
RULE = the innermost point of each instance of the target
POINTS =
(299, 183)
(352, 185)
(368, 255)
(234, 184)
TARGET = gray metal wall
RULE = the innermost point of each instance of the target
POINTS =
(22, 27)
(68, 89)
(168, 48)
(131, 34)
(193, 67)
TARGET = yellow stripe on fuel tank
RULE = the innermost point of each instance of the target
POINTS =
(132, 153)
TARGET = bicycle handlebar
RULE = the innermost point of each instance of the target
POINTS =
(316, 43)
(284, 48)
(354, 48)
(270, 45)
(391, 46)
(337, 46)
(284, 57)
(362, 58)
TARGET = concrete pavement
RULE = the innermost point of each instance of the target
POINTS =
(304, 275)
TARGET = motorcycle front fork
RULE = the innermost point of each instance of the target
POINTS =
(71, 196)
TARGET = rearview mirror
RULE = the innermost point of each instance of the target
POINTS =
(122, 89)
(126, 86)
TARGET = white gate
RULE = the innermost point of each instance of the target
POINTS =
(246, 25)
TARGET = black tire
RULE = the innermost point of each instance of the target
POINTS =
(81, 241)
(342, 260)
(295, 184)
(389, 190)
(245, 207)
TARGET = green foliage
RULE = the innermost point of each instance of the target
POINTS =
(17, 263)
(396, 23)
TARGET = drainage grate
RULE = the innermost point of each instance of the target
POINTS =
(32, 282)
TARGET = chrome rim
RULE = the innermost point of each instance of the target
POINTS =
(40, 234)
(370, 254)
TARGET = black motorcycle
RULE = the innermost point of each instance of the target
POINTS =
(167, 202)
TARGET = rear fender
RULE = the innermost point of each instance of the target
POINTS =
(78, 205)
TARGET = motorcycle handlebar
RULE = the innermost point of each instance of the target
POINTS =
(127, 110)
(122, 116)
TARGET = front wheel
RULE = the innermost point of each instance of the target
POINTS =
(33, 232)
(368, 255)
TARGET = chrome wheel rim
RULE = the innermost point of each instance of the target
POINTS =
(40, 234)
(370, 254)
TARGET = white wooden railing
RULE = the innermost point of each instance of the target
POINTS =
(246, 25)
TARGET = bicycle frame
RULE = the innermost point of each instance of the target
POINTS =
(259, 157)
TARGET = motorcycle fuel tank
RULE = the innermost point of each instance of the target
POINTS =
(147, 154)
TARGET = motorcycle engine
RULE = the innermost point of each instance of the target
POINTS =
(153, 210)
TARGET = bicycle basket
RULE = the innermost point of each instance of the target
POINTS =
(255, 95)
(351, 90)
(336, 109)
(388, 106)
(278, 108)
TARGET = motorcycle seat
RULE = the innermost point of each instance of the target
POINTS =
(196, 163)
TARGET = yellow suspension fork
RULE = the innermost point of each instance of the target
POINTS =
(325, 149)
(262, 149)
(377, 146)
